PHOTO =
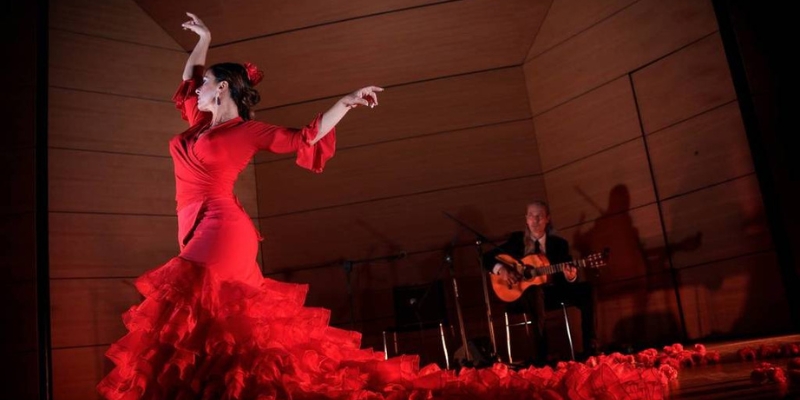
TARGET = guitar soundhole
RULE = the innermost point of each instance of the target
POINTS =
(528, 273)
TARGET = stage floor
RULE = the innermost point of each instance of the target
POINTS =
(731, 378)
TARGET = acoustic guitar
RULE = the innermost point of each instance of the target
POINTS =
(534, 269)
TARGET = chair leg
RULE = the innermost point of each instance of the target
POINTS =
(444, 347)
(385, 347)
(508, 339)
(569, 333)
(527, 325)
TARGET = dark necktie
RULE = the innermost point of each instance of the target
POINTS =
(536, 248)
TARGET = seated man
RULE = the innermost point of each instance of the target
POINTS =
(538, 239)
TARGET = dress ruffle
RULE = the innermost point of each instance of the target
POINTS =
(314, 156)
(185, 100)
(197, 337)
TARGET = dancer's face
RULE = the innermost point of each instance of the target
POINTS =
(207, 92)
(537, 220)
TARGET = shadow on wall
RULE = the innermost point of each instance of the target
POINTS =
(634, 294)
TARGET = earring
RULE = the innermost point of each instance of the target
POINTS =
(217, 97)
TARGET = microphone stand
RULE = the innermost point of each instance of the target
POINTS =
(479, 240)
(462, 330)
(348, 265)
(448, 259)
(348, 268)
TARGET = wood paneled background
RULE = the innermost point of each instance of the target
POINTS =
(622, 114)
(644, 151)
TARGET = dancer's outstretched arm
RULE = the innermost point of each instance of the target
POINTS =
(367, 96)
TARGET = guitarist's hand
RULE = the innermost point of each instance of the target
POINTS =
(511, 277)
(571, 273)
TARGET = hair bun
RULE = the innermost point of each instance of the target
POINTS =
(254, 75)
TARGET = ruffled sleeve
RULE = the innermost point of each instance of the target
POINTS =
(185, 100)
(313, 157)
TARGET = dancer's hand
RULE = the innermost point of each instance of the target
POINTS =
(367, 96)
(196, 25)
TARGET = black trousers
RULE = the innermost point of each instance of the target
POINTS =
(577, 295)
(532, 303)
(537, 300)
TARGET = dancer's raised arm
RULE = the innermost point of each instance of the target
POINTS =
(198, 57)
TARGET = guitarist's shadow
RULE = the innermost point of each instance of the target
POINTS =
(634, 294)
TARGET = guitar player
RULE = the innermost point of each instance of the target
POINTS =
(538, 239)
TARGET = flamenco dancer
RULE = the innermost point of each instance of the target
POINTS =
(210, 325)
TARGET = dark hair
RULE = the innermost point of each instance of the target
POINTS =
(240, 87)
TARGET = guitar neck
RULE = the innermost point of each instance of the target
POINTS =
(553, 268)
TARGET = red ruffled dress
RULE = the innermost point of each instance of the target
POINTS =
(212, 327)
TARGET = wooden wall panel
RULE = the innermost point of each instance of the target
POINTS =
(411, 223)
(102, 122)
(731, 296)
(614, 180)
(372, 282)
(109, 245)
(246, 191)
(634, 239)
(95, 64)
(686, 83)
(595, 121)
(709, 148)
(86, 312)
(729, 218)
(120, 20)
(636, 313)
(639, 34)
(84, 181)
(567, 18)
(327, 289)
(453, 38)
(248, 19)
(403, 167)
(76, 372)
(416, 109)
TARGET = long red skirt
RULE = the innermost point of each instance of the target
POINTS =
(211, 327)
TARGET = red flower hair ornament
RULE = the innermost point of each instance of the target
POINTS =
(254, 75)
